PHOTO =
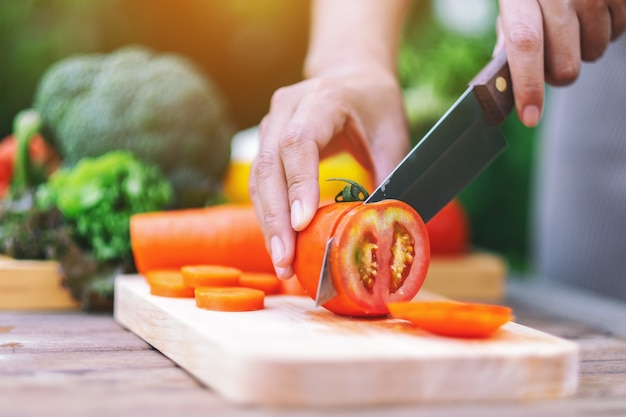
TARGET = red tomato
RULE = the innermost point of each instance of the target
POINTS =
(380, 253)
(41, 155)
(453, 319)
(449, 230)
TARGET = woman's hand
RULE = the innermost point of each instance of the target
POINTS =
(360, 112)
(547, 40)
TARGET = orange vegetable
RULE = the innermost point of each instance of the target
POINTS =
(229, 298)
(168, 283)
(268, 283)
(210, 276)
(451, 318)
(226, 235)
(292, 286)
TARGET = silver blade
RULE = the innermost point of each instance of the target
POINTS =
(458, 148)
(325, 288)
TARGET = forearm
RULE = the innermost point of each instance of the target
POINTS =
(347, 35)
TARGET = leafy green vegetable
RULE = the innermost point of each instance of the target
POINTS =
(98, 196)
(158, 106)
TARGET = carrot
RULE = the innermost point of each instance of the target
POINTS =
(229, 298)
(268, 283)
(210, 276)
(168, 283)
(227, 234)
(451, 318)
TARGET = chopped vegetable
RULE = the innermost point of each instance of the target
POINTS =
(451, 318)
(158, 106)
(226, 234)
(168, 283)
(292, 286)
(210, 276)
(268, 283)
(379, 253)
(229, 298)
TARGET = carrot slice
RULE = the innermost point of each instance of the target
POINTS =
(229, 298)
(451, 318)
(168, 283)
(210, 276)
(268, 283)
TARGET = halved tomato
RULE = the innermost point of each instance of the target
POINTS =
(452, 318)
(380, 253)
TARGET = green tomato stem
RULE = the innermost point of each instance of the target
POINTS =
(351, 192)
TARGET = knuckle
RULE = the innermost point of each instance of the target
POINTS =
(565, 73)
(264, 164)
(525, 38)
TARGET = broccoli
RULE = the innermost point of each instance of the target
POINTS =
(156, 105)
(98, 195)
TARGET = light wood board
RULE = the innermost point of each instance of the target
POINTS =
(476, 276)
(33, 285)
(293, 354)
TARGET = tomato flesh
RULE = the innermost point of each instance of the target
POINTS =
(380, 253)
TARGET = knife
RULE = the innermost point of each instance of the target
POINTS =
(456, 149)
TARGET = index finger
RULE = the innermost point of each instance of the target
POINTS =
(522, 28)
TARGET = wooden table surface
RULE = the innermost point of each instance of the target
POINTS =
(76, 364)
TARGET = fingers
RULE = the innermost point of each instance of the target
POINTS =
(595, 29)
(284, 183)
(522, 28)
(268, 186)
(617, 9)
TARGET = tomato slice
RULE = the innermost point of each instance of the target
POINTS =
(380, 254)
(451, 318)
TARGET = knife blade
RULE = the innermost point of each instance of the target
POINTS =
(454, 151)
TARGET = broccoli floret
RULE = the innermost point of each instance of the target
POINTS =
(156, 105)
(98, 196)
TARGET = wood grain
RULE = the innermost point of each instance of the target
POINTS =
(293, 354)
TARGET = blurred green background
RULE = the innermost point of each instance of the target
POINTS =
(249, 48)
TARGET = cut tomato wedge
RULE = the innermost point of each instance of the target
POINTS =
(451, 318)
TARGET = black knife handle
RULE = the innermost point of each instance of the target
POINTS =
(493, 89)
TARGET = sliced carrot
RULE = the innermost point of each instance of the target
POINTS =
(210, 276)
(451, 318)
(226, 234)
(168, 283)
(268, 283)
(229, 298)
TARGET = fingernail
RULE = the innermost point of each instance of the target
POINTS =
(296, 214)
(277, 248)
(531, 116)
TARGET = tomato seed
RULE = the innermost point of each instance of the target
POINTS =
(368, 266)
(402, 257)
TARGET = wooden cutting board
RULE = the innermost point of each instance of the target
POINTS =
(294, 354)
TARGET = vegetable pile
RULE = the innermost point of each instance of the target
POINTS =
(215, 287)
(158, 106)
